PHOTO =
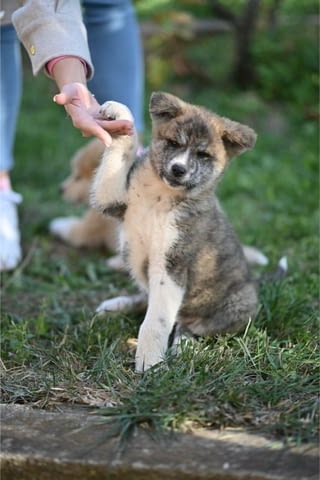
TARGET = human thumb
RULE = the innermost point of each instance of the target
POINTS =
(60, 98)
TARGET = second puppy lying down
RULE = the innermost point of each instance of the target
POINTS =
(92, 230)
(175, 239)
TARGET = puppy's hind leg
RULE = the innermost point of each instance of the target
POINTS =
(130, 303)
(230, 317)
(178, 337)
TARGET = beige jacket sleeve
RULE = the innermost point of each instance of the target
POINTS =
(49, 29)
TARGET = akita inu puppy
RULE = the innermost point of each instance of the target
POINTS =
(175, 239)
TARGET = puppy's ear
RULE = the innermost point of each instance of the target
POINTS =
(237, 138)
(164, 106)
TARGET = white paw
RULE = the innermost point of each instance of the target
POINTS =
(61, 227)
(125, 303)
(116, 263)
(145, 358)
(117, 304)
(151, 348)
(115, 111)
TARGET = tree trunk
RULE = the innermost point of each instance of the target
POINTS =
(243, 71)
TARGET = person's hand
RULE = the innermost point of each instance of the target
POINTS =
(83, 109)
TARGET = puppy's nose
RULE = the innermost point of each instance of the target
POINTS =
(178, 169)
(61, 189)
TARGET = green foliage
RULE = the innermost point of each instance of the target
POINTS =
(203, 8)
(284, 55)
(295, 7)
(287, 66)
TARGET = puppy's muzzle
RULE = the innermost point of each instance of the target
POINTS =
(178, 170)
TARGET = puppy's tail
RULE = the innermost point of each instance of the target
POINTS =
(254, 256)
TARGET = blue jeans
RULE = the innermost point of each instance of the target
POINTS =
(116, 51)
(10, 93)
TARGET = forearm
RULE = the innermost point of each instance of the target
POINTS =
(51, 29)
(69, 70)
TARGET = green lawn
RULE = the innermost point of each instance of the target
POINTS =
(55, 350)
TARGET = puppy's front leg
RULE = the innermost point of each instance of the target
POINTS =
(165, 298)
(109, 187)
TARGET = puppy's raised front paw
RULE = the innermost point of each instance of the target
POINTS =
(115, 111)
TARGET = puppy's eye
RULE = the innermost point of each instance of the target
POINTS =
(203, 155)
(172, 143)
(77, 178)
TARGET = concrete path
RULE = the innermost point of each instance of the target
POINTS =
(37, 444)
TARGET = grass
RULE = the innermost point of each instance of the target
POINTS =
(56, 351)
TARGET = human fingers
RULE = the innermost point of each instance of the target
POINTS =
(83, 121)
(116, 127)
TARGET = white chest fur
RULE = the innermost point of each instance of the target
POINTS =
(149, 225)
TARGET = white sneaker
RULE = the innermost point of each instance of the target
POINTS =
(10, 249)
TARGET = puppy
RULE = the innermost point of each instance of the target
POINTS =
(175, 239)
(92, 230)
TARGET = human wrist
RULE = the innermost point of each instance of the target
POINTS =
(68, 70)
(51, 63)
